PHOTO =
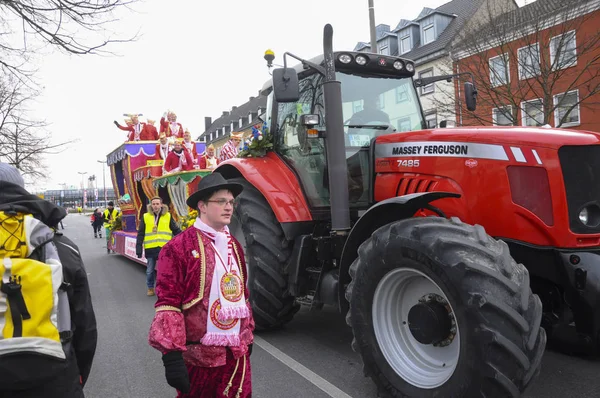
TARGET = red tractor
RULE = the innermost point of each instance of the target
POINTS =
(442, 273)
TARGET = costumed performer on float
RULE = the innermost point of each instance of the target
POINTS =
(208, 160)
(162, 150)
(151, 130)
(203, 323)
(137, 130)
(178, 159)
(231, 148)
(170, 126)
(190, 146)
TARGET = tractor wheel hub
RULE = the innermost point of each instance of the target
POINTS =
(429, 322)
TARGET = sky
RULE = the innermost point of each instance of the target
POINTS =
(197, 58)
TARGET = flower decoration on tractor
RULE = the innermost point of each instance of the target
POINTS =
(258, 144)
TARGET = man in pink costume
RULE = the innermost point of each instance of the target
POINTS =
(203, 324)
(231, 147)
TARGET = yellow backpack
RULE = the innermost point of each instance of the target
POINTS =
(34, 306)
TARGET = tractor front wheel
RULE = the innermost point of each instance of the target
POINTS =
(267, 251)
(440, 309)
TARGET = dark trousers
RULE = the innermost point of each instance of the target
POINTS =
(97, 229)
(66, 385)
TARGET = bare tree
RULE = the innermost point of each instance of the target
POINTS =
(542, 43)
(24, 143)
(62, 24)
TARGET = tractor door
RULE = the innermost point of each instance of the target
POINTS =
(372, 106)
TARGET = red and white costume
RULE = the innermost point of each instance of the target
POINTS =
(203, 310)
(181, 161)
(230, 149)
(171, 128)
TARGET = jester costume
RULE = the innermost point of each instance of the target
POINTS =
(203, 312)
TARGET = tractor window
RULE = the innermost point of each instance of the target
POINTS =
(374, 106)
(307, 157)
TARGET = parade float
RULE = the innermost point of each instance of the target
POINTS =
(136, 170)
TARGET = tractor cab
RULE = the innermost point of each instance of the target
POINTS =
(378, 98)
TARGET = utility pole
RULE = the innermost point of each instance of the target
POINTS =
(372, 27)
(103, 179)
(82, 173)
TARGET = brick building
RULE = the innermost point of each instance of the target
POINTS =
(535, 65)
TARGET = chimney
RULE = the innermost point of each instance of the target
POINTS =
(233, 108)
(207, 122)
(225, 113)
(251, 98)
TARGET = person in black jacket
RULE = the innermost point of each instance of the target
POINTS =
(80, 348)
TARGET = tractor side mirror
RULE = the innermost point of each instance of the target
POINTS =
(471, 96)
(285, 85)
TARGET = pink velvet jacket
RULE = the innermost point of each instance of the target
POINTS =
(185, 271)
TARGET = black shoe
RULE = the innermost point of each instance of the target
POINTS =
(108, 250)
(95, 236)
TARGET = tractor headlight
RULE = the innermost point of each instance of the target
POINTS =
(398, 65)
(584, 216)
(589, 215)
(361, 59)
(410, 67)
(345, 58)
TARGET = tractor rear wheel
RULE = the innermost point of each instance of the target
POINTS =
(440, 309)
(267, 251)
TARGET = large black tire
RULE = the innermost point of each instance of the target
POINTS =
(267, 253)
(498, 317)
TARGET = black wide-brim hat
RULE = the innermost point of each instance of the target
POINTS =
(212, 183)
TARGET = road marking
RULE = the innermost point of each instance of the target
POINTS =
(302, 370)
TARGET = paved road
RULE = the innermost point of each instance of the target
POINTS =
(310, 358)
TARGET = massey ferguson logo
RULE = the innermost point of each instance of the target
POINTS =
(471, 163)
(382, 61)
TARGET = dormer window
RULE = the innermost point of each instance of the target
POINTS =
(384, 48)
(405, 44)
(428, 34)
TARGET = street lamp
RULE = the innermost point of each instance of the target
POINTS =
(82, 190)
(103, 179)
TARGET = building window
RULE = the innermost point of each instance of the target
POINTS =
(532, 113)
(383, 48)
(431, 120)
(430, 87)
(405, 44)
(499, 70)
(357, 106)
(566, 109)
(529, 61)
(402, 94)
(563, 50)
(404, 124)
(502, 116)
(381, 103)
(428, 34)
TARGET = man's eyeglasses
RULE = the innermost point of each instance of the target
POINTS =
(222, 202)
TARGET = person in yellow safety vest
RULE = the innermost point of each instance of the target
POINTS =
(157, 227)
(109, 215)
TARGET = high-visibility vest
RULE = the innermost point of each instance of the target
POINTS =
(109, 218)
(163, 232)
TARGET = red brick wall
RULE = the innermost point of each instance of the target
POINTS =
(571, 79)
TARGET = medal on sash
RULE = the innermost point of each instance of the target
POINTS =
(231, 286)
(231, 283)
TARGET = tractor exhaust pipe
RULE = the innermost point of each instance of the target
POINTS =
(334, 141)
